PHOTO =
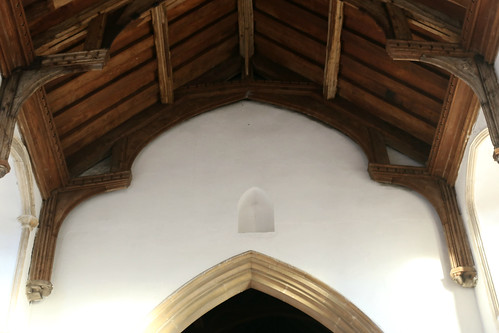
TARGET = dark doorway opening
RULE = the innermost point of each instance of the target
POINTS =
(255, 312)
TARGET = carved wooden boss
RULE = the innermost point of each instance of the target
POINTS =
(467, 54)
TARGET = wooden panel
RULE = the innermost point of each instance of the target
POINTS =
(393, 91)
(104, 98)
(295, 17)
(272, 71)
(179, 8)
(196, 44)
(197, 20)
(389, 113)
(415, 75)
(90, 81)
(363, 24)
(289, 59)
(290, 38)
(106, 121)
(318, 7)
(206, 61)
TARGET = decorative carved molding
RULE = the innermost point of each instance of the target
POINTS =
(333, 50)
(458, 114)
(443, 198)
(23, 83)
(478, 74)
(257, 271)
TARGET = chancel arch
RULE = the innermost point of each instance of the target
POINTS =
(253, 270)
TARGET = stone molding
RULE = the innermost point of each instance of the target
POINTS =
(268, 275)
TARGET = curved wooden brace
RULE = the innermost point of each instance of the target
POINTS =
(54, 211)
(24, 82)
(268, 275)
(472, 69)
(443, 198)
(303, 98)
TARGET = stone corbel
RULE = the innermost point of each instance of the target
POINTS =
(22, 83)
(470, 68)
(443, 198)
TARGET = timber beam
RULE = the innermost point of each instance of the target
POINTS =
(443, 198)
(165, 76)
(54, 210)
(22, 83)
(246, 34)
(472, 69)
(333, 50)
(429, 19)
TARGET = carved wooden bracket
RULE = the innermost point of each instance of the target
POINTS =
(443, 198)
(54, 211)
(22, 83)
(470, 68)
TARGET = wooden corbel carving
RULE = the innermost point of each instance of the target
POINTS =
(470, 68)
(443, 198)
(22, 83)
(54, 211)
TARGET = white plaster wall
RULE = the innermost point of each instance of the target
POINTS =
(120, 254)
(10, 233)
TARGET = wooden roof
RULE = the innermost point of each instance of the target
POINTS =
(171, 60)
(91, 82)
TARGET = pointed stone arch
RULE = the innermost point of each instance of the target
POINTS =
(268, 275)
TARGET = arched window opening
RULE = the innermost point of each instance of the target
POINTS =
(255, 212)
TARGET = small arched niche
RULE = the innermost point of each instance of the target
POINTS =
(255, 212)
(253, 270)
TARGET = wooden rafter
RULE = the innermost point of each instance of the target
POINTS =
(246, 33)
(333, 51)
(165, 76)
(95, 32)
(400, 25)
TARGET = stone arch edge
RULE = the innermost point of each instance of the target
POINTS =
(254, 270)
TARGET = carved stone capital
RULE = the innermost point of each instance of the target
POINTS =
(28, 221)
(464, 276)
(36, 290)
(4, 168)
